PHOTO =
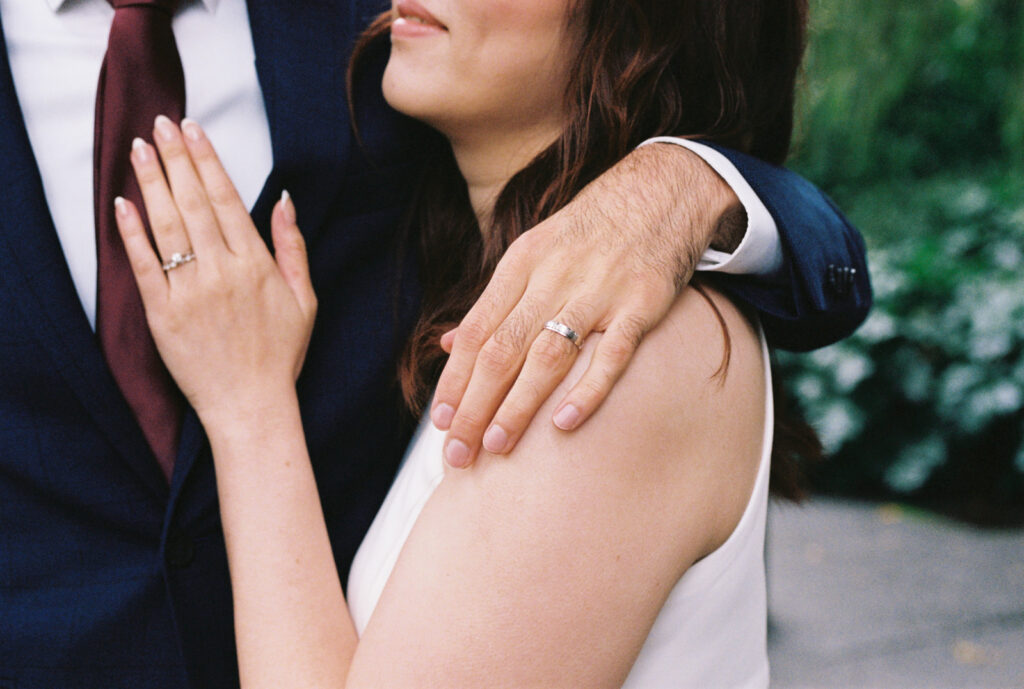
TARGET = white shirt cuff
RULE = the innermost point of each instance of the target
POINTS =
(760, 250)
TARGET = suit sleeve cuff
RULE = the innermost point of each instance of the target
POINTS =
(760, 250)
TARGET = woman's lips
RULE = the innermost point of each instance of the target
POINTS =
(414, 20)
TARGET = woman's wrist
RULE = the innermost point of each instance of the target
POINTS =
(251, 415)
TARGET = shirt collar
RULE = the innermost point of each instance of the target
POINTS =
(57, 5)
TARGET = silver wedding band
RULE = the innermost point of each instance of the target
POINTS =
(177, 260)
(566, 332)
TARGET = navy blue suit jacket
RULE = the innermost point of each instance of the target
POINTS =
(111, 578)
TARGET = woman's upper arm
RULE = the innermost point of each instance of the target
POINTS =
(547, 568)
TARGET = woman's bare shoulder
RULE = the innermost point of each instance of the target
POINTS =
(696, 372)
(684, 424)
(519, 567)
(702, 360)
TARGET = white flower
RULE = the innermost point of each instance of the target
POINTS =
(915, 464)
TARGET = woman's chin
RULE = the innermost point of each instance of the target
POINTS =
(406, 93)
(415, 101)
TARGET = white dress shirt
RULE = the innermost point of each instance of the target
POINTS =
(760, 250)
(56, 48)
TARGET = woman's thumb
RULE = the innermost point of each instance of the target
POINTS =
(290, 252)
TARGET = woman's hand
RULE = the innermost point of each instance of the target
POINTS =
(233, 324)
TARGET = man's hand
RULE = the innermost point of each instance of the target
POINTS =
(611, 261)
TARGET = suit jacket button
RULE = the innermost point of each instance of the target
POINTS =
(841, 279)
(179, 551)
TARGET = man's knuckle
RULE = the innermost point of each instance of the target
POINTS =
(533, 391)
(526, 245)
(632, 328)
(497, 358)
(473, 332)
(536, 306)
(449, 385)
(550, 353)
(592, 387)
(467, 421)
(654, 287)
(490, 301)
(578, 314)
(617, 352)
(514, 331)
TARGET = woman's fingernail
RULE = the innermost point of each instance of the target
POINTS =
(121, 207)
(567, 417)
(192, 130)
(456, 453)
(287, 207)
(495, 439)
(164, 128)
(140, 149)
(442, 416)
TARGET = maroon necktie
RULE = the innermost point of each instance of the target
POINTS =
(140, 79)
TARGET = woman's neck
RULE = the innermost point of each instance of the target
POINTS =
(489, 161)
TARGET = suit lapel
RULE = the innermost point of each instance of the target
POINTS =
(301, 56)
(36, 277)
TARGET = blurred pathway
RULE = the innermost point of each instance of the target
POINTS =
(868, 597)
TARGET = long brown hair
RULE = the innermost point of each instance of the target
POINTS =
(718, 70)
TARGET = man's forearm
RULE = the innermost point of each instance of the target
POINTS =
(745, 239)
(680, 200)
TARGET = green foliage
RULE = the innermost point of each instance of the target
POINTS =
(912, 117)
(909, 88)
(927, 399)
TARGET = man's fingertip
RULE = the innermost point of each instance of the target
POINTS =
(496, 440)
(442, 416)
(456, 453)
(567, 417)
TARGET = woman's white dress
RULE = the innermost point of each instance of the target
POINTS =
(711, 632)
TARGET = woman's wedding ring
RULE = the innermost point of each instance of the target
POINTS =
(566, 332)
(177, 260)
